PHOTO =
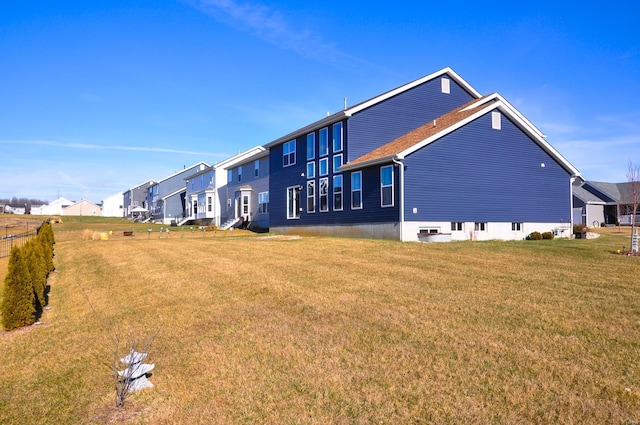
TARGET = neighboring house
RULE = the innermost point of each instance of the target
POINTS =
(206, 190)
(246, 193)
(166, 197)
(607, 203)
(15, 209)
(113, 205)
(54, 207)
(82, 208)
(432, 156)
(2, 208)
(136, 199)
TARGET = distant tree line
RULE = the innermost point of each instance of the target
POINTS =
(25, 286)
(26, 202)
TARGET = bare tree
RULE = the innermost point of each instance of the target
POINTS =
(633, 201)
(128, 352)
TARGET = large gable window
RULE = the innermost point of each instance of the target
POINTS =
(324, 194)
(386, 186)
(289, 153)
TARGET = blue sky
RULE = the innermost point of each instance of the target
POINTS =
(99, 96)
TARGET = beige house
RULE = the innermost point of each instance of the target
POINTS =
(84, 208)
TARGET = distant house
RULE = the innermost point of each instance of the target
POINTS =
(135, 200)
(15, 209)
(246, 193)
(82, 208)
(431, 156)
(166, 198)
(2, 208)
(113, 205)
(54, 207)
(601, 202)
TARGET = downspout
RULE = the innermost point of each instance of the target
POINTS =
(571, 180)
(401, 165)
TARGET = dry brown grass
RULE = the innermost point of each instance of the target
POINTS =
(322, 330)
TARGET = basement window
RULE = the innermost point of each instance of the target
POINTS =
(428, 230)
(456, 226)
(480, 227)
(516, 227)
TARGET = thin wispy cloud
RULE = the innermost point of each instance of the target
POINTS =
(271, 26)
(87, 146)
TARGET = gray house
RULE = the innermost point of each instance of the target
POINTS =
(602, 202)
(245, 197)
(166, 197)
(135, 200)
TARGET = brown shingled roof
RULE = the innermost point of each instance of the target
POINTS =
(424, 132)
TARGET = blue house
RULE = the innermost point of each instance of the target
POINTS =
(431, 156)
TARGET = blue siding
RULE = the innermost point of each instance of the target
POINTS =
(388, 120)
(282, 178)
(479, 174)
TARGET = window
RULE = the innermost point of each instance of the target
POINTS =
(229, 176)
(496, 120)
(337, 137)
(256, 168)
(480, 226)
(337, 193)
(445, 85)
(456, 226)
(517, 227)
(289, 153)
(311, 146)
(240, 173)
(337, 162)
(428, 230)
(245, 205)
(311, 196)
(324, 167)
(228, 202)
(324, 194)
(263, 202)
(311, 170)
(356, 190)
(209, 203)
(323, 148)
(386, 186)
(293, 202)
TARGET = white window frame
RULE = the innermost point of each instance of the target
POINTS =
(481, 226)
(256, 168)
(324, 163)
(337, 142)
(324, 195)
(338, 164)
(311, 146)
(293, 196)
(240, 173)
(311, 169)
(338, 192)
(229, 176)
(384, 186)
(323, 136)
(263, 202)
(356, 207)
(457, 226)
(289, 153)
(311, 195)
(516, 226)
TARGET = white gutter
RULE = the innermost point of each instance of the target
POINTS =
(401, 165)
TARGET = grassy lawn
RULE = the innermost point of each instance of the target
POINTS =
(329, 330)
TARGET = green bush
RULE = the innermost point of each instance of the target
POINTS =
(535, 236)
(547, 235)
(18, 308)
